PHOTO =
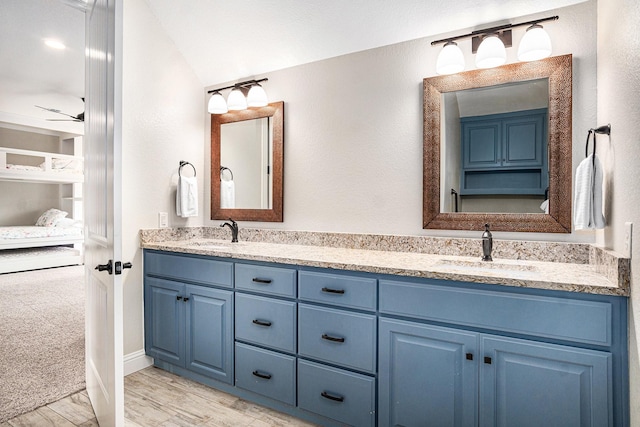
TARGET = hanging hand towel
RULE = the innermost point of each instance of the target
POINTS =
(588, 195)
(187, 197)
(227, 194)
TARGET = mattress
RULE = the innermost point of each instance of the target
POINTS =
(31, 232)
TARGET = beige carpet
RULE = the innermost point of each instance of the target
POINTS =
(41, 338)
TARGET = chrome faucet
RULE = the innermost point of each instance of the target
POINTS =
(234, 230)
(487, 244)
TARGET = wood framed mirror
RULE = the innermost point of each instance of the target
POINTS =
(558, 71)
(247, 158)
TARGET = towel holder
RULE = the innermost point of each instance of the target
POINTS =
(184, 163)
(602, 130)
(224, 168)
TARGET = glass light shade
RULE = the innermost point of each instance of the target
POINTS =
(257, 97)
(217, 104)
(450, 59)
(535, 44)
(236, 100)
(491, 52)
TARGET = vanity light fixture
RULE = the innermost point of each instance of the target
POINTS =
(243, 95)
(489, 46)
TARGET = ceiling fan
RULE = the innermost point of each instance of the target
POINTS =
(78, 118)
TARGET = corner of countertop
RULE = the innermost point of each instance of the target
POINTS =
(611, 265)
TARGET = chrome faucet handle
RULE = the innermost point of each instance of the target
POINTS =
(487, 244)
(234, 229)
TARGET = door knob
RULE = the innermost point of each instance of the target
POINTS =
(106, 267)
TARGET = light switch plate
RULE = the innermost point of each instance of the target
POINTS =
(163, 220)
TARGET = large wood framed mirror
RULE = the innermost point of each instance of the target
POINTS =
(247, 157)
(444, 132)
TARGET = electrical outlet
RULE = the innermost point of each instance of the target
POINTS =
(163, 220)
(628, 233)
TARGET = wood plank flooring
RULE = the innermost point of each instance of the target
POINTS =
(154, 397)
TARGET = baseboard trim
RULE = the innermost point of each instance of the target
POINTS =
(136, 361)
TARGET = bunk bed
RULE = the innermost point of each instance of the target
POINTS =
(54, 240)
(39, 166)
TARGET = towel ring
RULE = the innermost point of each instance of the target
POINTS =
(183, 163)
(224, 168)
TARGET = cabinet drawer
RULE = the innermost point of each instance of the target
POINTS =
(266, 372)
(270, 280)
(266, 321)
(337, 394)
(337, 336)
(557, 318)
(337, 289)
(189, 268)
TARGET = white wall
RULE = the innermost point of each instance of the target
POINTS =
(162, 124)
(619, 104)
(353, 131)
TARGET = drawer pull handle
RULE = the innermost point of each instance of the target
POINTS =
(261, 322)
(331, 397)
(259, 280)
(330, 338)
(260, 375)
(333, 291)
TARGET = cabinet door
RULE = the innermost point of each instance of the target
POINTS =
(428, 375)
(524, 141)
(526, 383)
(209, 326)
(164, 320)
(482, 144)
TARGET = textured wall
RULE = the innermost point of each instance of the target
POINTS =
(162, 124)
(353, 130)
(619, 104)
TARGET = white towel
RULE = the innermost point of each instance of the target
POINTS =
(187, 197)
(227, 194)
(544, 206)
(588, 195)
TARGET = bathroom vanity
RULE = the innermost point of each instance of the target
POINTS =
(358, 337)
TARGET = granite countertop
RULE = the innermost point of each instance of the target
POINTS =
(565, 276)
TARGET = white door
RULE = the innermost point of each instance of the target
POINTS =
(104, 329)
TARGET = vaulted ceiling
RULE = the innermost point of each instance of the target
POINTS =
(224, 40)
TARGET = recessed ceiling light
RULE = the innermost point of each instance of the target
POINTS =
(55, 44)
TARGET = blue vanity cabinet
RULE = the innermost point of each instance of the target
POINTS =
(266, 331)
(337, 343)
(189, 326)
(504, 153)
(452, 353)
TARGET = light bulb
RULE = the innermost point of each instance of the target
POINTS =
(236, 100)
(450, 59)
(257, 97)
(535, 44)
(491, 52)
(217, 104)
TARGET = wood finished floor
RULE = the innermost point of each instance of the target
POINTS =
(154, 397)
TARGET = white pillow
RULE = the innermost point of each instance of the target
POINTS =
(50, 217)
(68, 222)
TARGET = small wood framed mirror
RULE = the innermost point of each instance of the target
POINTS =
(247, 158)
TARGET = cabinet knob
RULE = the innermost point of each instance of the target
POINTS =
(469, 356)
(487, 360)
(179, 298)
(185, 299)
